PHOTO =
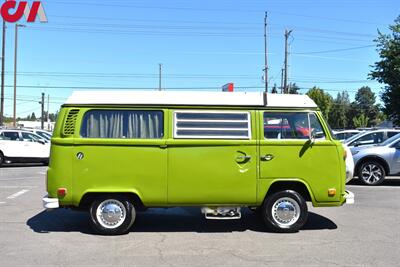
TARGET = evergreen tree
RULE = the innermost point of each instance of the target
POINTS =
(274, 89)
(339, 117)
(294, 89)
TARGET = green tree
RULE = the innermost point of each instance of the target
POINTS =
(340, 110)
(33, 116)
(360, 121)
(387, 70)
(274, 89)
(293, 89)
(53, 116)
(365, 104)
(365, 98)
(323, 100)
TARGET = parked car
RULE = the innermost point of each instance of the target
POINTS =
(345, 134)
(369, 138)
(114, 153)
(372, 164)
(349, 164)
(22, 146)
(42, 133)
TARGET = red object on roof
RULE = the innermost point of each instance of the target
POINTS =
(228, 87)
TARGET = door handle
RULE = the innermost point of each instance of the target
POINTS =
(267, 157)
(242, 159)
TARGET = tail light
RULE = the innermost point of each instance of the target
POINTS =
(61, 192)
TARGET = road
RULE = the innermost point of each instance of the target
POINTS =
(364, 234)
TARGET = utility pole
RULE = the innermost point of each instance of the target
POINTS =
(159, 76)
(287, 34)
(266, 53)
(42, 109)
(282, 70)
(15, 73)
(3, 49)
(48, 112)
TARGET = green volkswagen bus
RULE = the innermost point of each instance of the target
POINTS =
(117, 152)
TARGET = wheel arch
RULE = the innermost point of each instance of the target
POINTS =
(373, 158)
(89, 197)
(296, 185)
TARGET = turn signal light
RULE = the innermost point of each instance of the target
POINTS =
(345, 154)
(61, 192)
(332, 192)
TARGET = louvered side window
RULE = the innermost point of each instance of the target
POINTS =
(69, 125)
(212, 125)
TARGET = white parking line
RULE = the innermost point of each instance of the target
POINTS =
(2, 202)
(372, 187)
(22, 167)
(17, 194)
(28, 177)
(17, 186)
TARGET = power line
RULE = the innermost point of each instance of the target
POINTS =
(163, 30)
(334, 50)
(197, 9)
(165, 88)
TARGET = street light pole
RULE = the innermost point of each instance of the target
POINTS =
(15, 74)
(3, 47)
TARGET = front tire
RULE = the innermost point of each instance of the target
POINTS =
(371, 173)
(1, 158)
(285, 211)
(111, 215)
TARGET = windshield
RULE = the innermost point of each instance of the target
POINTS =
(44, 135)
(354, 137)
(390, 140)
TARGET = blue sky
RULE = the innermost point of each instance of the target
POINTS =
(201, 44)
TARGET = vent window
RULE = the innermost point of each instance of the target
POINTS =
(69, 126)
(211, 125)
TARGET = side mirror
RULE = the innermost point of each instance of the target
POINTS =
(357, 143)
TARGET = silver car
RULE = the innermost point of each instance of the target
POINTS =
(369, 138)
(372, 164)
(345, 134)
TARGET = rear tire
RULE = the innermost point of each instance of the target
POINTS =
(112, 215)
(285, 211)
(371, 173)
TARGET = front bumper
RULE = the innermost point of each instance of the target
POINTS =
(349, 175)
(349, 196)
(50, 203)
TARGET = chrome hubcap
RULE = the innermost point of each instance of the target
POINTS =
(371, 173)
(111, 213)
(285, 212)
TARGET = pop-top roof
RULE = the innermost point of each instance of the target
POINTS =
(188, 98)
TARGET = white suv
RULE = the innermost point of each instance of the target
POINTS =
(22, 146)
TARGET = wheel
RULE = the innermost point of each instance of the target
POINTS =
(371, 173)
(112, 215)
(285, 211)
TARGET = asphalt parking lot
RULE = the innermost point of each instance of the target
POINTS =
(364, 234)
